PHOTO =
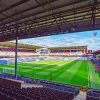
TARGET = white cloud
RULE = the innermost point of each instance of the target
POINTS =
(65, 40)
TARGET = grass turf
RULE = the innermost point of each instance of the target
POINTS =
(80, 73)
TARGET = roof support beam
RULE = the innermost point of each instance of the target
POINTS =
(16, 53)
(93, 17)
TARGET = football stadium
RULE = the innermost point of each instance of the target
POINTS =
(50, 50)
(53, 64)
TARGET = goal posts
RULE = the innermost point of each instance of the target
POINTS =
(8, 70)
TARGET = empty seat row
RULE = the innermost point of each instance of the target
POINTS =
(93, 94)
(11, 93)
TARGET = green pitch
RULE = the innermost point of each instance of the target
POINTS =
(81, 73)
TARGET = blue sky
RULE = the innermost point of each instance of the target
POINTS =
(69, 39)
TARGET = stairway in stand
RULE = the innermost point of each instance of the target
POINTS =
(80, 96)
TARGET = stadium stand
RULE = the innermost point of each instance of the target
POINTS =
(33, 94)
(58, 86)
(93, 94)
(11, 91)
(68, 51)
(96, 61)
(24, 55)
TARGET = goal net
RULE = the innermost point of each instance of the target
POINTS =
(8, 70)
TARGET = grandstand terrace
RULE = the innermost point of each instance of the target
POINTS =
(7, 51)
(68, 51)
(96, 60)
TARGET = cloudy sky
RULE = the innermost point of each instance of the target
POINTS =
(71, 39)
